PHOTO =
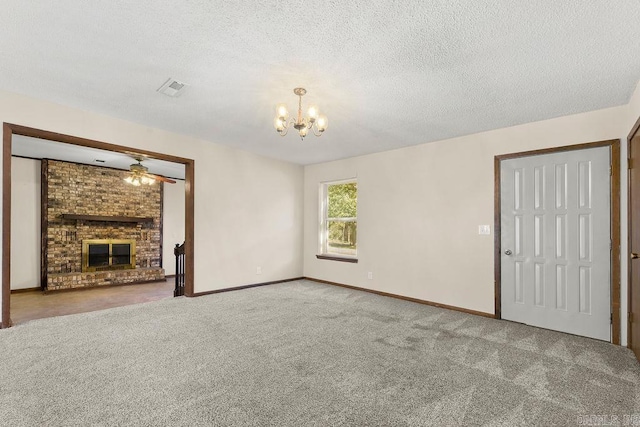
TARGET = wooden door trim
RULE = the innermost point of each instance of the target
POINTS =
(9, 129)
(634, 131)
(615, 223)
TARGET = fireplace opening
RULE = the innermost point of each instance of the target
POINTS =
(108, 254)
(120, 253)
(98, 255)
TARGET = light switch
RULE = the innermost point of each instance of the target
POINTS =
(484, 229)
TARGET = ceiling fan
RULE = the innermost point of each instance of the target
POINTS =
(139, 175)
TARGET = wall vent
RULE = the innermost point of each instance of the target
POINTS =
(172, 88)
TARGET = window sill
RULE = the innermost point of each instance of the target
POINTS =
(337, 258)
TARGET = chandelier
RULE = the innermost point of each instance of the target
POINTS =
(315, 122)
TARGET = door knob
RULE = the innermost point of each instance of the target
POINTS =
(508, 252)
(634, 255)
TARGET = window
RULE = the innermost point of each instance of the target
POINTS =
(339, 221)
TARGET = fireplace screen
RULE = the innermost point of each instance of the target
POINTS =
(108, 254)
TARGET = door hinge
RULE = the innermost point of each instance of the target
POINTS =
(630, 317)
(611, 319)
(629, 163)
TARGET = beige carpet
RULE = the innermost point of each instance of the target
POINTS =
(302, 353)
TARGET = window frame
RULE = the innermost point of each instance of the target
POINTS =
(323, 221)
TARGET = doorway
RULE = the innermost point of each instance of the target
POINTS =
(557, 239)
(633, 269)
(9, 130)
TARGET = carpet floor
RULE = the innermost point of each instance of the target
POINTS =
(306, 354)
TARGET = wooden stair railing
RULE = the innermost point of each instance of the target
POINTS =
(178, 251)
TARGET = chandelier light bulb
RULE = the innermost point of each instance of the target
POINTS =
(313, 113)
(322, 123)
(282, 112)
(278, 123)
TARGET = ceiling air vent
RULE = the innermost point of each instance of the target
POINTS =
(172, 88)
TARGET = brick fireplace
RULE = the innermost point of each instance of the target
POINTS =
(91, 216)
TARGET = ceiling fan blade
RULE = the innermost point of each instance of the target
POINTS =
(160, 178)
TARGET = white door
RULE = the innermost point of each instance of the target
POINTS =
(556, 241)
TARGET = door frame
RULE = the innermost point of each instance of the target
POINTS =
(10, 129)
(615, 224)
(634, 130)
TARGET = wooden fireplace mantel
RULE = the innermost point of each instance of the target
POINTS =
(106, 218)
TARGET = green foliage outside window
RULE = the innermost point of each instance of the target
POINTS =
(341, 218)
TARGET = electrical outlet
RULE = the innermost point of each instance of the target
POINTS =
(258, 270)
(484, 230)
(370, 275)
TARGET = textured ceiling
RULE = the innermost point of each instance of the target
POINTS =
(388, 74)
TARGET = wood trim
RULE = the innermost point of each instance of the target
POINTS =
(239, 288)
(497, 242)
(106, 218)
(162, 184)
(554, 150)
(634, 130)
(84, 142)
(338, 258)
(25, 290)
(419, 301)
(189, 230)
(629, 138)
(6, 224)
(615, 222)
(10, 129)
(44, 223)
(615, 242)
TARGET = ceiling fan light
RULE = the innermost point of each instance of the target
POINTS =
(129, 179)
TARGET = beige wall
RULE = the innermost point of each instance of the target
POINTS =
(25, 223)
(435, 195)
(248, 209)
(634, 108)
(172, 224)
